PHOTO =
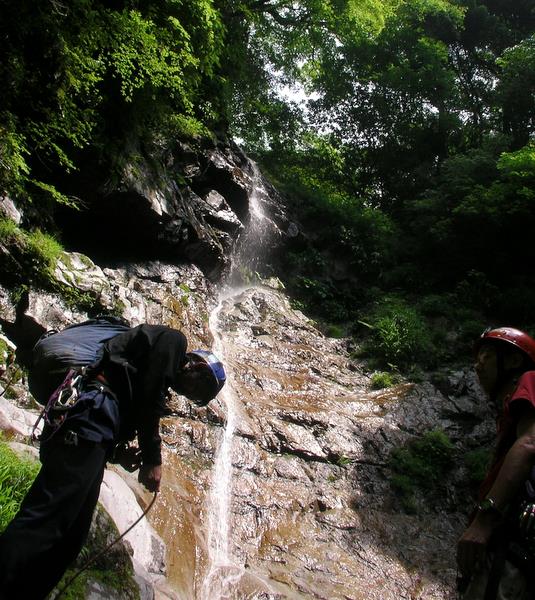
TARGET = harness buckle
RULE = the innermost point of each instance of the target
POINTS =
(67, 398)
(70, 438)
(67, 393)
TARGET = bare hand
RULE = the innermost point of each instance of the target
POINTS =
(472, 547)
(150, 476)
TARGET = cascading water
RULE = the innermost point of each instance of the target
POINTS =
(224, 570)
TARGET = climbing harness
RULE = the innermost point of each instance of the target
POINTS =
(91, 560)
(64, 397)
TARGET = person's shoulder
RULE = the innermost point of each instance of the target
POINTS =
(527, 378)
(525, 388)
(161, 334)
(158, 329)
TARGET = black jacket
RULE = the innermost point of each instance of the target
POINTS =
(140, 366)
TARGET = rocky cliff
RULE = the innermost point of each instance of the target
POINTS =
(282, 486)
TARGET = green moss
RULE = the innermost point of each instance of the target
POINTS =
(334, 331)
(4, 350)
(113, 568)
(76, 299)
(477, 462)
(186, 293)
(77, 588)
(44, 247)
(421, 465)
(116, 581)
(8, 229)
(33, 254)
(381, 379)
(66, 259)
(120, 581)
(343, 461)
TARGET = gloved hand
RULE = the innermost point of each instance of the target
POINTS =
(150, 476)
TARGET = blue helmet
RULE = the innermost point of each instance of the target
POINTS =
(216, 366)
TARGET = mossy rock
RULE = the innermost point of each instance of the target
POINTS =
(111, 574)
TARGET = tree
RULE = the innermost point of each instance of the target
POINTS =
(91, 73)
(273, 43)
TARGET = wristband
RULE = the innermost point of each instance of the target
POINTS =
(489, 505)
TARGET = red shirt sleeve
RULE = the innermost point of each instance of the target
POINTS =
(525, 391)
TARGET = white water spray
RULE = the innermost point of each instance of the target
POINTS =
(224, 571)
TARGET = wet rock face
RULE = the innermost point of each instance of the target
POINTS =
(312, 512)
(150, 292)
(189, 205)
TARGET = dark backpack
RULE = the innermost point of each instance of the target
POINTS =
(79, 345)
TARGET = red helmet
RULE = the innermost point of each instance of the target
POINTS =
(522, 341)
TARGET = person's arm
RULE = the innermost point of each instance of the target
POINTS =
(151, 459)
(156, 352)
(515, 469)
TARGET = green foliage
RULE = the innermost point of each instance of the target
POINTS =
(399, 335)
(404, 486)
(45, 248)
(8, 230)
(38, 252)
(334, 331)
(50, 194)
(278, 43)
(413, 148)
(426, 117)
(13, 156)
(519, 166)
(183, 126)
(343, 461)
(516, 89)
(422, 464)
(99, 75)
(477, 463)
(419, 167)
(16, 477)
(381, 379)
(33, 256)
(321, 298)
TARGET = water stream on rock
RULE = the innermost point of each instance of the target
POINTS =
(224, 570)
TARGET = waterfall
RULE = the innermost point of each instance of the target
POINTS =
(247, 264)
(223, 571)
